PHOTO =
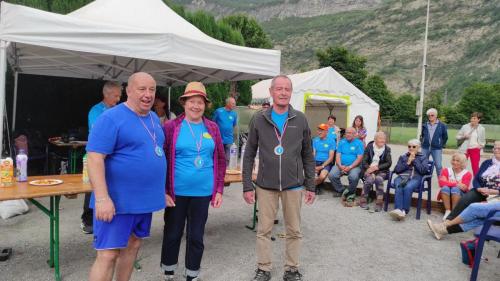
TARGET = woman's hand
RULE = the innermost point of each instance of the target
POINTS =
(484, 191)
(169, 200)
(217, 200)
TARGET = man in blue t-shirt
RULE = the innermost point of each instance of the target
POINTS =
(324, 151)
(127, 169)
(111, 94)
(227, 119)
(349, 155)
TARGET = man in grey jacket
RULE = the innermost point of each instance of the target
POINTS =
(286, 167)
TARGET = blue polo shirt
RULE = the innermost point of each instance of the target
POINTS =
(322, 148)
(135, 174)
(226, 120)
(95, 112)
(188, 179)
(332, 136)
(349, 151)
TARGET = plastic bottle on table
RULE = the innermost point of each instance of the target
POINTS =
(22, 166)
(85, 172)
(6, 171)
(233, 157)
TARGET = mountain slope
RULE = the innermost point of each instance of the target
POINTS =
(464, 40)
(265, 10)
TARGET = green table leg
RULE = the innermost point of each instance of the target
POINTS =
(53, 214)
(73, 157)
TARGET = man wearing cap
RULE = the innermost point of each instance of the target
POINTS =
(111, 94)
(127, 168)
(286, 167)
(324, 151)
(227, 119)
(348, 159)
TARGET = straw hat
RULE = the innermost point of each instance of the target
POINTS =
(195, 89)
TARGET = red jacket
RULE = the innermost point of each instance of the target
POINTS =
(171, 130)
(444, 180)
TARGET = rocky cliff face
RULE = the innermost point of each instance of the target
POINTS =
(265, 10)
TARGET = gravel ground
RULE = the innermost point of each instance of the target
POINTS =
(339, 244)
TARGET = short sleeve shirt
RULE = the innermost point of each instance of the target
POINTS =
(349, 151)
(95, 112)
(226, 120)
(187, 175)
(322, 147)
(135, 174)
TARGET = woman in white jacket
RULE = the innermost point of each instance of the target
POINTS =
(471, 139)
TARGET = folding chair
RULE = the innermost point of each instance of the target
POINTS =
(487, 232)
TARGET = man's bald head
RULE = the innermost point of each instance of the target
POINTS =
(140, 76)
(349, 133)
(141, 91)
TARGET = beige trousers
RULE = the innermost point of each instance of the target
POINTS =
(291, 202)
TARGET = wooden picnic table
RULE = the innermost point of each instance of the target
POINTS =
(72, 185)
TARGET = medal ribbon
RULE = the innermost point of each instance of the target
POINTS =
(198, 144)
(152, 135)
(278, 136)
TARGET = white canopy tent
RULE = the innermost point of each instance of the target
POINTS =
(319, 92)
(111, 39)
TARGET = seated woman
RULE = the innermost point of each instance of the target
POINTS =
(375, 167)
(470, 218)
(454, 182)
(410, 168)
(323, 151)
(486, 183)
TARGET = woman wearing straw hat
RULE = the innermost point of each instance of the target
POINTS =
(195, 178)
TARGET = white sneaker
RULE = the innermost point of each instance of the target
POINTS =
(395, 214)
(446, 214)
(402, 215)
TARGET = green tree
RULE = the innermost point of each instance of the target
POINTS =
(345, 62)
(376, 89)
(252, 32)
(482, 97)
(434, 100)
(451, 115)
(405, 105)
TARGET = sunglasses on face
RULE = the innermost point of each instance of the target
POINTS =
(412, 146)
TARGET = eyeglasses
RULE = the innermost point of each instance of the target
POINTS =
(431, 115)
(412, 146)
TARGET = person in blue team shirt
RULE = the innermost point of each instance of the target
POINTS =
(324, 151)
(126, 167)
(227, 119)
(111, 94)
(348, 159)
(333, 130)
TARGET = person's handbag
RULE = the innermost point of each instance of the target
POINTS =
(468, 248)
(460, 142)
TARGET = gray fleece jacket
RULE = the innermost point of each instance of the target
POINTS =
(295, 167)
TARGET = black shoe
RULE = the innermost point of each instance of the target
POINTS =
(292, 275)
(86, 228)
(261, 275)
(337, 194)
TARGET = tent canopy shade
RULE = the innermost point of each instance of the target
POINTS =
(111, 39)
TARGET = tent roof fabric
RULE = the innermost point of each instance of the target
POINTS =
(324, 80)
(111, 39)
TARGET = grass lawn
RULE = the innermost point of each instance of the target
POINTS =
(400, 135)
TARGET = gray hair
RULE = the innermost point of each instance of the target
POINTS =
(432, 110)
(273, 81)
(461, 158)
(110, 85)
(229, 98)
(414, 142)
(379, 134)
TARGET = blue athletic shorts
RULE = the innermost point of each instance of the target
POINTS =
(115, 234)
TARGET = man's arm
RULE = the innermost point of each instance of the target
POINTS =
(308, 159)
(445, 135)
(104, 207)
(357, 161)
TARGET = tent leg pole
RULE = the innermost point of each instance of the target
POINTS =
(3, 72)
(169, 107)
(14, 103)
